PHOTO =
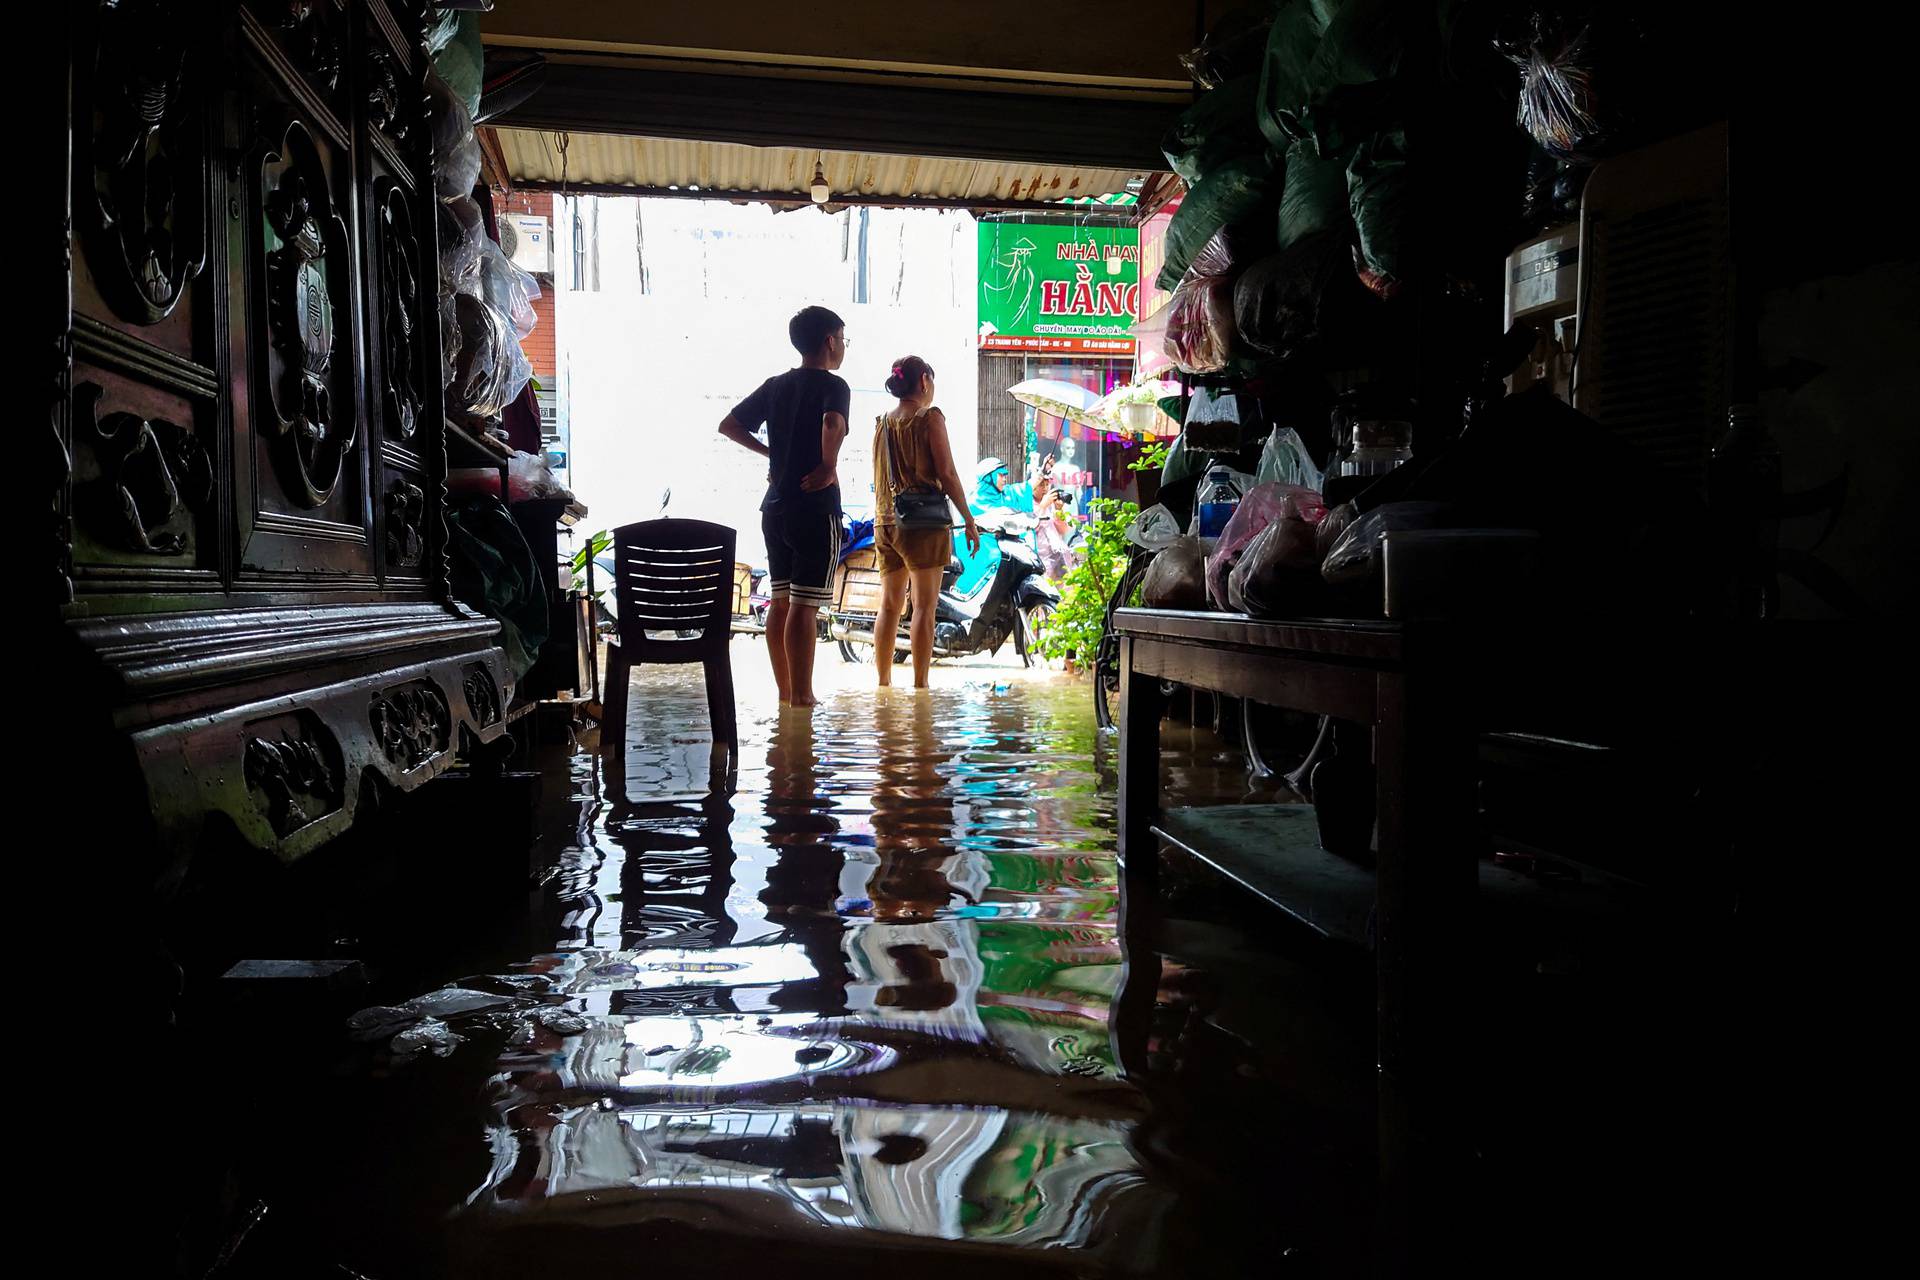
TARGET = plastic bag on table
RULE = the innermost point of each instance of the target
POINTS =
(1177, 576)
(1355, 556)
(1329, 530)
(529, 476)
(1277, 572)
(1262, 506)
(1284, 460)
(456, 151)
(1153, 529)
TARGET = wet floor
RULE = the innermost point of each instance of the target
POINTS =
(872, 1005)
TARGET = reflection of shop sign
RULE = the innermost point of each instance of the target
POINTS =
(1058, 288)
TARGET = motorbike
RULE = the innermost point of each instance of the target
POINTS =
(999, 594)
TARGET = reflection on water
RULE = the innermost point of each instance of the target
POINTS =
(865, 996)
(873, 986)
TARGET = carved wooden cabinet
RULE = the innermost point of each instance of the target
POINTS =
(251, 562)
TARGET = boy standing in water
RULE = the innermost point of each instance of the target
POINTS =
(804, 411)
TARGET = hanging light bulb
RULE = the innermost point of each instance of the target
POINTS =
(819, 190)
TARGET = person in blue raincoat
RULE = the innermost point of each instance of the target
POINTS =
(993, 490)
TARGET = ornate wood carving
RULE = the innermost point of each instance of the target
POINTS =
(142, 163)
(386, 103)
(306, 250)
(402, 393)
(311, 33)
(412, 723)
(151, 472)
(483, 695)
(406, 521)
(292, 770)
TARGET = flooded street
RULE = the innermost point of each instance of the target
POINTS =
(875, 1005)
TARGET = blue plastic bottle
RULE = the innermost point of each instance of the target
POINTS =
(1218, 498)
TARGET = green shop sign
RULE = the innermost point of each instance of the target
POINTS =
(1058, 288)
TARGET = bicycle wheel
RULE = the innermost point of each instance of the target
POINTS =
(1106, 656)
(847, 652)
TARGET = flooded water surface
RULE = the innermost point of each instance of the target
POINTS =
(874, 1004)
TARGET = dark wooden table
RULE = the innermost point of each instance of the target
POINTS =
(1407, 682)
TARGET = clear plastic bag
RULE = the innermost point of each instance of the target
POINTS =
(463, 243)
(508, 289)
(477, 388)
(529, 476)
(1557, 101)
(1284, 460)
(1276, 570)
(1355, 556)
(1177, 577)
(1263, 506)
(456, 151)
(1153, 529)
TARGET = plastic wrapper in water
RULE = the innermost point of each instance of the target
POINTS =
(431, 1036)
(1355, 556)
(1177, 577)
(1153, 529)
(1262, 505)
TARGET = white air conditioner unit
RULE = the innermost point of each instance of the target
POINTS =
(533, 243)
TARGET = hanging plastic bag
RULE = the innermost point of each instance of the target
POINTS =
(456, 151)
(1315, 196)
(1558, 105)
(478, 388)
(1153, 529)
(1232, 49)
(1380, 195)
(1355, 557)
(508, 289)
(1301, 297)
(1177, 577)
(1216, 128)
(1234, 191)
(463, 242)
(1284, 460)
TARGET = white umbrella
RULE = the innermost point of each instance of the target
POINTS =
(1062, 400)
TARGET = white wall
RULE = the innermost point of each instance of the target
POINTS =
(650, 374)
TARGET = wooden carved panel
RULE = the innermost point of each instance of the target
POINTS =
(412, 724)
(140, 167)
(405, 518)
(308, 321)
(294, 770)
(402, 373)
(313, 34)
(142, 482)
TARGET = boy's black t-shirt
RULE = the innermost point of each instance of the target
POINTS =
(790, 406)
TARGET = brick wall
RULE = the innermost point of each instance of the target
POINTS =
(539, 344)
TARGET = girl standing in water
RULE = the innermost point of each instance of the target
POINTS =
(911, 455)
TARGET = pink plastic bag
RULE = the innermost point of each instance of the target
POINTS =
(1264, 504)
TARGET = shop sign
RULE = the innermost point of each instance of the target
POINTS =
(1063, 289)
(1153, 256)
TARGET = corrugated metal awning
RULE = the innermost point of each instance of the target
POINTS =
(727, 170)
